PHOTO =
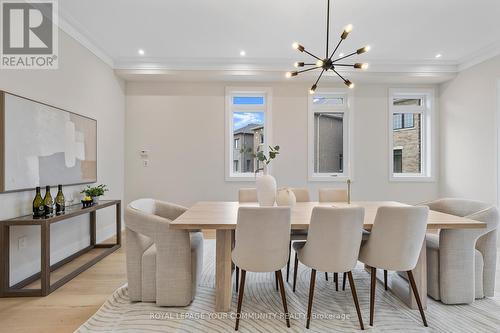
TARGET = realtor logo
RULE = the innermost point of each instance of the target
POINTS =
(29, 34)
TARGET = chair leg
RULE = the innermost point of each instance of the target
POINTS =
(240, 299)
(344, 278)
(385, 279)
(326, 276)
(237, 277)
(372, 293)
(295, 269)
(283, 297)
(336, 279)
(355, 297)
(311, 295)
(276, 282)
(288, 262)
(417, 296)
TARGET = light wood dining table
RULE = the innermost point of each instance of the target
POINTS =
(222, 216)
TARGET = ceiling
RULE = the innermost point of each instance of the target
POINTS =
(208, 35)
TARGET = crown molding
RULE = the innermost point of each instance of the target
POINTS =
(479, 56)
(71, 27)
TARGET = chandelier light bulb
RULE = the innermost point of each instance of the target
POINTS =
(312, 90)
(346, 32)
(297, 46)
(298, 64)
(288, 75)
(361, 66)
(319, 63)
(363, 49)
(349, 84)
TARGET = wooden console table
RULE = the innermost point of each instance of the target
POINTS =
(44, 275)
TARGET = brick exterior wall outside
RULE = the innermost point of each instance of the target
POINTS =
(410, 141)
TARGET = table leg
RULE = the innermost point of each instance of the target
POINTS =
(92, 228)
(223, 271)
(4, 259)
(119, 223)
(45, 258)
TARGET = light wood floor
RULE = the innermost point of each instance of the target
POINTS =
(70, 306)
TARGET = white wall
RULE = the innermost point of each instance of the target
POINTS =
(469, 125)
(85, 85)
(182, 126)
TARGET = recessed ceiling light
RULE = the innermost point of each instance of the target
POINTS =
(243, 53)
(439, 55)
(141, 52)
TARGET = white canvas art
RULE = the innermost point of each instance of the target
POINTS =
(44, 145)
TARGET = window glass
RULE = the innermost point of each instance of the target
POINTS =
(407, 101)
(328, 100)
(328, 142)
(407, 144)
(248, 131)
(248, 100)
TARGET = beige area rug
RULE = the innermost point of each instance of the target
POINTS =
(334, 311)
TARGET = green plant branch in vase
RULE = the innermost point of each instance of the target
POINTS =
(261, 157)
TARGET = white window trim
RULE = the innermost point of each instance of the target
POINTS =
(347, 130)
(228, 129)
(429, 147)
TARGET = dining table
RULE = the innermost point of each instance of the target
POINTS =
(221, 216)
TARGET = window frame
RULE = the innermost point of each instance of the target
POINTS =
(347, 109)
(427, 125)
(230, 108)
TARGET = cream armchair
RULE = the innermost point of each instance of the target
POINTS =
(163, 264)
(461, 263)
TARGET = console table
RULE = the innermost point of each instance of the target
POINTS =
(44, 275)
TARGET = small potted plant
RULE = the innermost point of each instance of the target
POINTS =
(266, 184)
(95, 192)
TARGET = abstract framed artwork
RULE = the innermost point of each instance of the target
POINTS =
(44, 145)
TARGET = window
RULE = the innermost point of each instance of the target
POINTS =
(410, 135)
(328, 158)
(247, 128)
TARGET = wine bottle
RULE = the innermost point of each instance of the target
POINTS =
(48, 202)
(38, 205)
(59, 201)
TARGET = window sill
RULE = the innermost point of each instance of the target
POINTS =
(411, 178)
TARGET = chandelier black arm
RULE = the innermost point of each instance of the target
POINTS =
(345, 65)
(333, 69)
(312, 55)
(307, 70)
(335, 50)
(347, 56)
(319, 77)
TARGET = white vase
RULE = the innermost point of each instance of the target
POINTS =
(286, 197)
(266, 189)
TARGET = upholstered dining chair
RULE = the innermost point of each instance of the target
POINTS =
(336, 232)
(163, 264)
(262, 237)
(332, 195)
(301, 194)
(394, 244)
(461, 263)
(247, 194)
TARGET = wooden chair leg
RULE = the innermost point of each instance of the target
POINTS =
(355, 297)
(326, 276)
(237, 277)
(295, 269)
(240, 299)
(385, 279)
(372, 293)
(417, 296)
(283, 297)
(336, 279)
(276, 282)
(288, 263)
(311, 295)
(344, 278)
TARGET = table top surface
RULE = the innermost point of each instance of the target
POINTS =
(223, 215)
(70, 211)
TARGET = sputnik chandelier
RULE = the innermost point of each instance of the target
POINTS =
(329, 63)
